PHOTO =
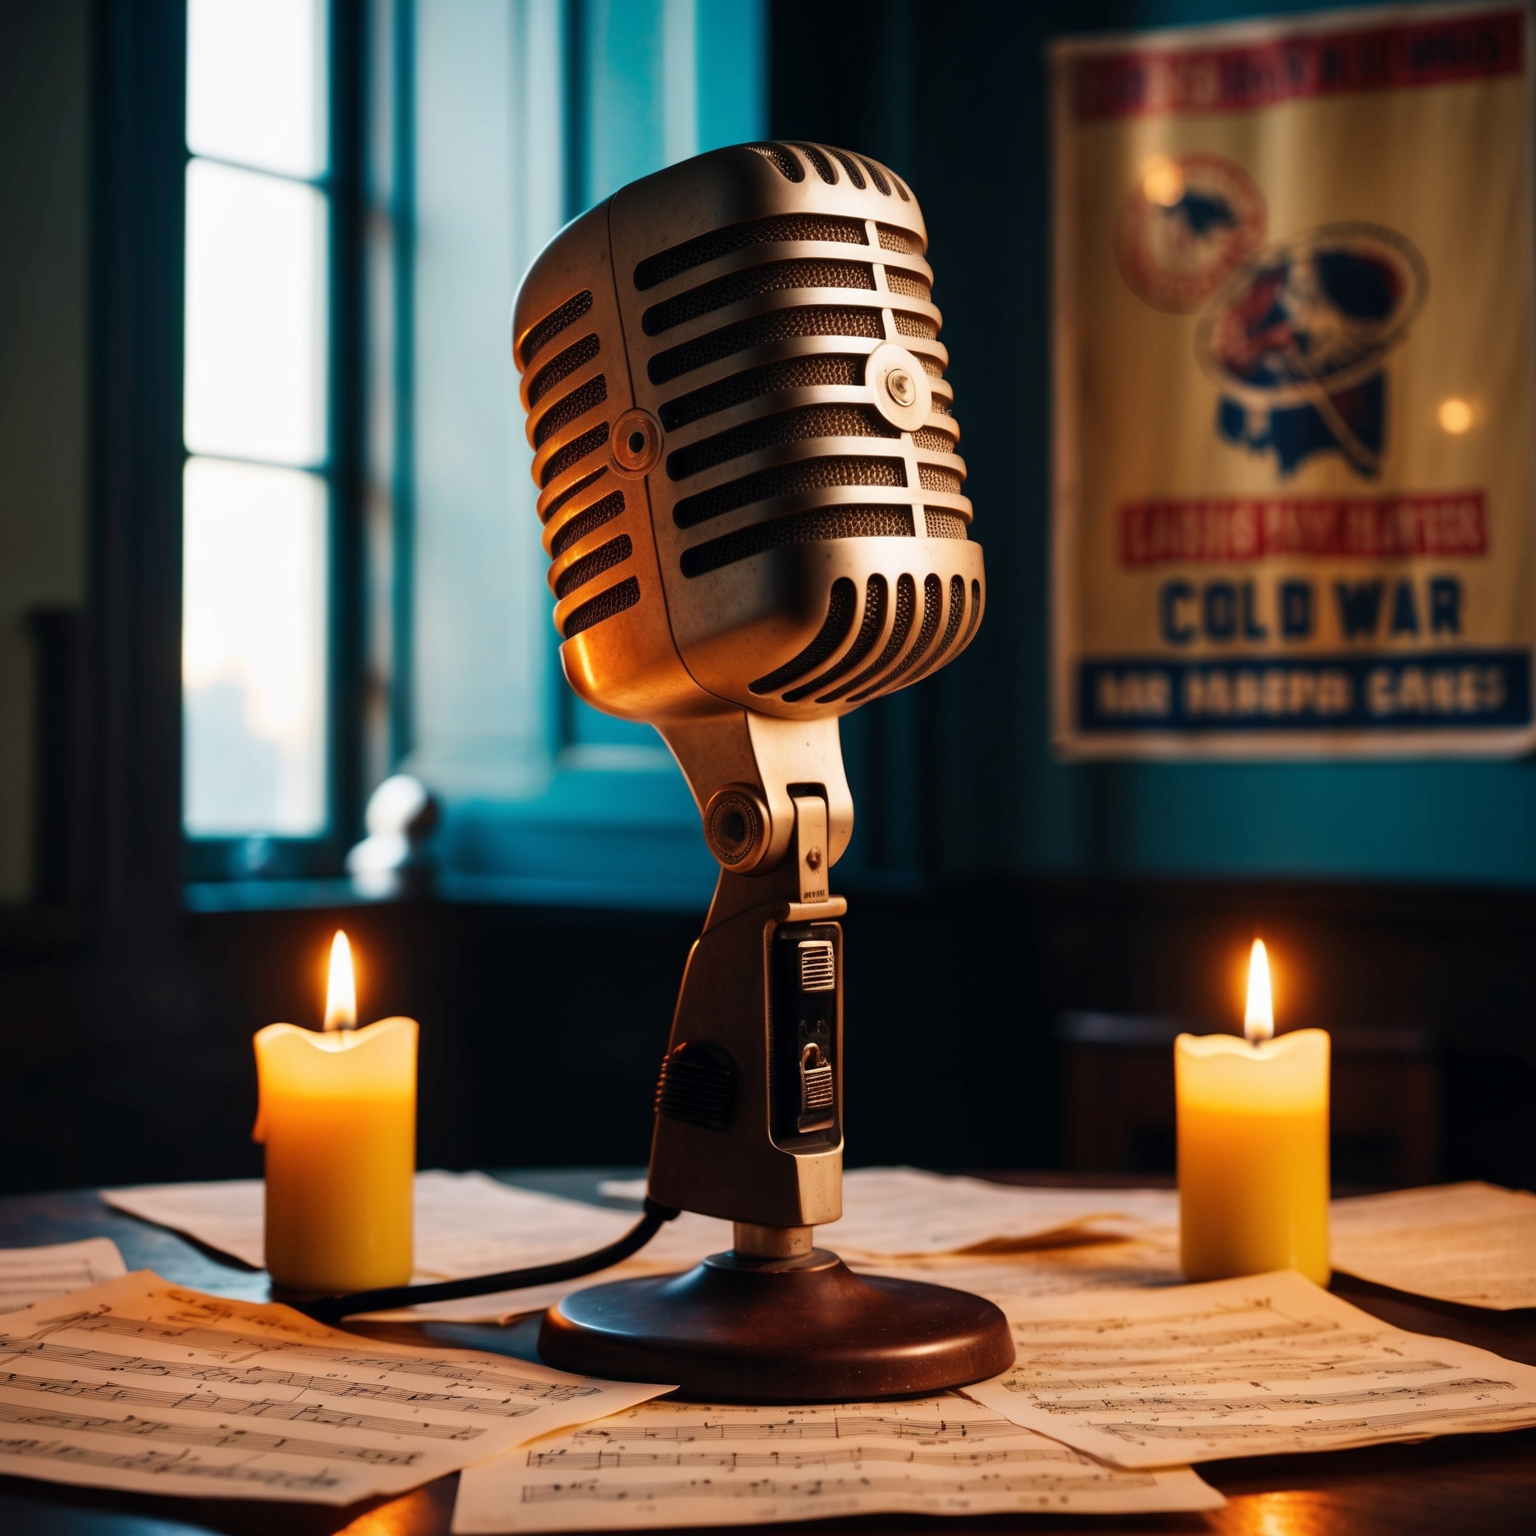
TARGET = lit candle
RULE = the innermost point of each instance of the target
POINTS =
(1253, 1145)
(338, 1118)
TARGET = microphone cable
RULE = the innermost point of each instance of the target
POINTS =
(331, 1309)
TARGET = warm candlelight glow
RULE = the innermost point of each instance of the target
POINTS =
(1259, 1020)
(341, 988)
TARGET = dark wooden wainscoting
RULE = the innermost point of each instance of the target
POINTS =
(542, 1029)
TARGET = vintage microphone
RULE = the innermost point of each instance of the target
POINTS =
(745, 454)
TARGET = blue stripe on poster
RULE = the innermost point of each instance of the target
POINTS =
(1437, 690)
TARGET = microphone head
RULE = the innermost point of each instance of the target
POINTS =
(743, 441)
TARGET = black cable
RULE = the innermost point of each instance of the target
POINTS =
(331, 1309)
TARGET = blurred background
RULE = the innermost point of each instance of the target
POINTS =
(267, 539)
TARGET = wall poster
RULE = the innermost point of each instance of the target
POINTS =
(1294, 510)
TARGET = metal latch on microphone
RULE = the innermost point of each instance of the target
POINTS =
(815, 1088)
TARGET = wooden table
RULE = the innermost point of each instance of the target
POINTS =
(1472, 1485)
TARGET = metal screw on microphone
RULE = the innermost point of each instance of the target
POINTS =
(736, 827)
(813, 858)
(901, 391)
(636, 443)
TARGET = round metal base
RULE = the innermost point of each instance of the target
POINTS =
(798, 1330)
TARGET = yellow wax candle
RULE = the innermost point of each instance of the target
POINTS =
(338, 1117)
(1253, 1149)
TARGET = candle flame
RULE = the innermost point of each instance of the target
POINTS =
(341, 987)
(1259, 1020)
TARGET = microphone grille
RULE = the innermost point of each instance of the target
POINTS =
(743, 431)
(759, 339)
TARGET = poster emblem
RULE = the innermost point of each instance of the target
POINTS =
(1297, 343)
(1190, 220)
(1294, 322)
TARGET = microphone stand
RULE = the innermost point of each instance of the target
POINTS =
(749, 1128)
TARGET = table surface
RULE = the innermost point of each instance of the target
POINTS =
(1483, 1484)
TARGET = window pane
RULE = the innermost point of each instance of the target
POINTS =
(255, 380)
(254, 83)
(253, 650)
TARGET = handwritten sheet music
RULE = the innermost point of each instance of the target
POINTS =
(34, 1274)
(140, 1384)
(680, 1464)
(1250, 1367)
(1470, 1243)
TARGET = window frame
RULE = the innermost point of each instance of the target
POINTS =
(343, 184)
(614, 824)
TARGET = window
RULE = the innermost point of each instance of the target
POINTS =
(526, 115)
(257, 492)
(506, 119)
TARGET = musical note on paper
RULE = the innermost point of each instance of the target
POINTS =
(675, 1464)
(140, 1384)
(34, 1274)
(1258, 1366)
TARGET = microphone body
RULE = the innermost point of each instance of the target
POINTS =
(752, 499)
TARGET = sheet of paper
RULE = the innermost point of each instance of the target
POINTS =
(1071, 1258)
(680, 1464)
(140, 1384)
(1150, 1262)
(34, 1274)
(466, 1223)
(226, 1215)
(897, 1212)
(1251, 1367)
(1471, 1243)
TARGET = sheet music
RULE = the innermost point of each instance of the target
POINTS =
(1470, 1243)
(34, 1274)
(906, 1212)
(469, 1223)
(1084, 1257)
(140, 1384)
(1250, 1367)
(466, 1223)
(680, 1464)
